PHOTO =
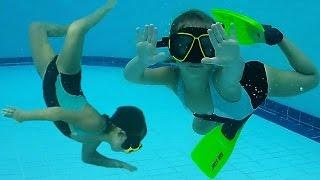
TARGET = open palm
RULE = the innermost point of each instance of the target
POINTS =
(146, 45)
(226, 47)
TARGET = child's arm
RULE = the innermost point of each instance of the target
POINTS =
(49, 114)
(91, 156)
(289, 83)
(137, 69)
(77, 118)
(227, 50)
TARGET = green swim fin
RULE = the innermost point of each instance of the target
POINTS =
(248, 30)
(215, 148)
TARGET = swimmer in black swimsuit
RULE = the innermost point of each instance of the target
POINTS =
(67, 105)
(209, 76)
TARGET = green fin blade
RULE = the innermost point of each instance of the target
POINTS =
(213, 151)
(248, 30)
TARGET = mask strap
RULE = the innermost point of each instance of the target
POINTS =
(163, 43)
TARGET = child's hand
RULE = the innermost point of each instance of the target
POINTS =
(272, 35)
(13, 113)
(129, 167)
(124, 165)
(146, 46)
(227, 48)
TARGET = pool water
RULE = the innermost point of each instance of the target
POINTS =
(37, 150)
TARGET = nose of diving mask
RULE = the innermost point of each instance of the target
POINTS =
(195, 55)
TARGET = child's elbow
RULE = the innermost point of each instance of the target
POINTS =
(129, 76)
(315, 80)
(86, 159)
(311, 82)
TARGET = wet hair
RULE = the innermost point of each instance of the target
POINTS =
(191, 18)
(132, 121)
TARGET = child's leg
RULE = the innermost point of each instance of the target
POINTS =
(42, 52)
(69, 60)
(202, 127)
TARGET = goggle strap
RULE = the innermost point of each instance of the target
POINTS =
(163, 43)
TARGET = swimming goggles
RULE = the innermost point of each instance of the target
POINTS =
(131, 149)
(190, 44)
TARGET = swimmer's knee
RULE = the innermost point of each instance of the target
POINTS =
(77, 28)
(201, 130)
(34, 26)
(37, 32)
(202, 127)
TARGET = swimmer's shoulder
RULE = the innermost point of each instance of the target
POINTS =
(92, 119)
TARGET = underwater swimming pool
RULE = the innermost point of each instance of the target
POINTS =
(35, 150)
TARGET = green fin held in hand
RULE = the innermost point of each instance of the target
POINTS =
(248, 30)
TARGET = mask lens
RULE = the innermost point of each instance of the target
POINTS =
(180, 44)
(207, 47)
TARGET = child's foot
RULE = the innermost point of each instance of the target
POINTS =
(111, 3)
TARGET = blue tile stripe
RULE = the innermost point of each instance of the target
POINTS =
(13, 61)
(87, 60)
(292, 119)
